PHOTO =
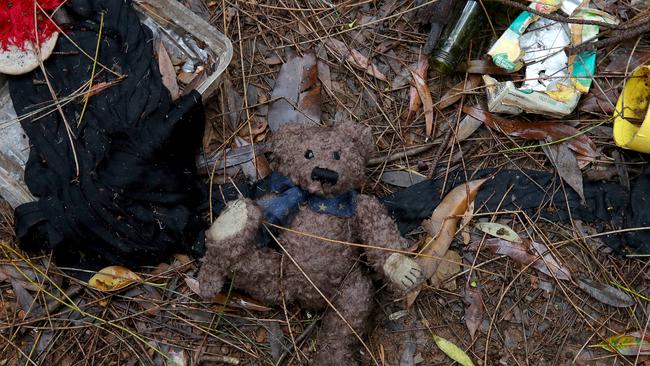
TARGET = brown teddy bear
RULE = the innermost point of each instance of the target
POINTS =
(315, 202)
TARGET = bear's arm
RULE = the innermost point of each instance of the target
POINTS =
(375, 227)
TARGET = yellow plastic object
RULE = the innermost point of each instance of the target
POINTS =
(632, 106)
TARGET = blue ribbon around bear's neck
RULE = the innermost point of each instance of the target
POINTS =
(280, 210)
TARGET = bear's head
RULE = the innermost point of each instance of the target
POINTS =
(326, 161)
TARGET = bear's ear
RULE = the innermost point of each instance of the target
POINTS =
(360, 134)
(287, 132)
(285, 137)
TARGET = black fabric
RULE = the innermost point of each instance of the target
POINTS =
(539, 194)
(135, 199)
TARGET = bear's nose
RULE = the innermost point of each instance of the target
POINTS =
(324, 176)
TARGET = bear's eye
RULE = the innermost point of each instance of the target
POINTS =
(336, 155)
(309, 154)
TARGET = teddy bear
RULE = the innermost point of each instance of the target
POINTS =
(328, 237)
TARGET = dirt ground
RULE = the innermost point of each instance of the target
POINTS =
(526, 317)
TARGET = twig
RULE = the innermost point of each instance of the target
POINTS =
(558, 18)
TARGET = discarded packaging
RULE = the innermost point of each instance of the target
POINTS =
(632, 115)
(553, 80)
(179, 29)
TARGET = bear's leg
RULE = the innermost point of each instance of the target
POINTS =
(230, 238)
(336, 342)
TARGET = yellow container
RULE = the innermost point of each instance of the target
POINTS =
(632, 115)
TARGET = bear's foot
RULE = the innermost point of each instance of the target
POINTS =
(230, 237)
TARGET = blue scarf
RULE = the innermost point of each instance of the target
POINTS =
(281, 209)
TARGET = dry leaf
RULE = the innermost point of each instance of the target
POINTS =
(498, 230)
(633, 344)
(578, 142)
(324, 75)
(414, 96)
(442, 227)
(402, 178)
(566, 166)
(454, 94)
(548, 264)
(427, 101)
(467, 218)
(606, 294)
(522, 255)
(453, 351)
(169, 77)
(467, 126)
(447, 269)
(355, 58)
(296, 94)
(193, 285)
(483, 67)
(475, 310)
(240, 301)
(113, 278)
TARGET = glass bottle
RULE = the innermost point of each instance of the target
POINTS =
(452, 45)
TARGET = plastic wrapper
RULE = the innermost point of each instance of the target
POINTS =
(554, 81)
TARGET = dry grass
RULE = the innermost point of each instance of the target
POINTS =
(49, 318)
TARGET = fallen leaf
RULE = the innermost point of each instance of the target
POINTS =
(453, 351)
(273, 60)
(193, 285)
(234, 104)
(442, 227)
(256, 169)
(498, 230)
(234, 156)
(296, 94)
(524, 256)
(483, 67)
(167, 71)
(199, 77)
(514, 251)
(566, 166)
(427, 101)
(355, 58)
(324, 74)
(548, 264)
(464, 222)
(276, 342)
(447, 269)
(628, 61)
(627, 344)
(475, 310)
(578, 142)
(414, 96)
(456, 92)
(240, 301)
(598, 102)
(402, 178)
(606, 294)
(467, 126)
(113, 278)
(24, 299)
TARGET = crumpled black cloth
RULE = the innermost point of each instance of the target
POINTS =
(608, 206)
(135, 199)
